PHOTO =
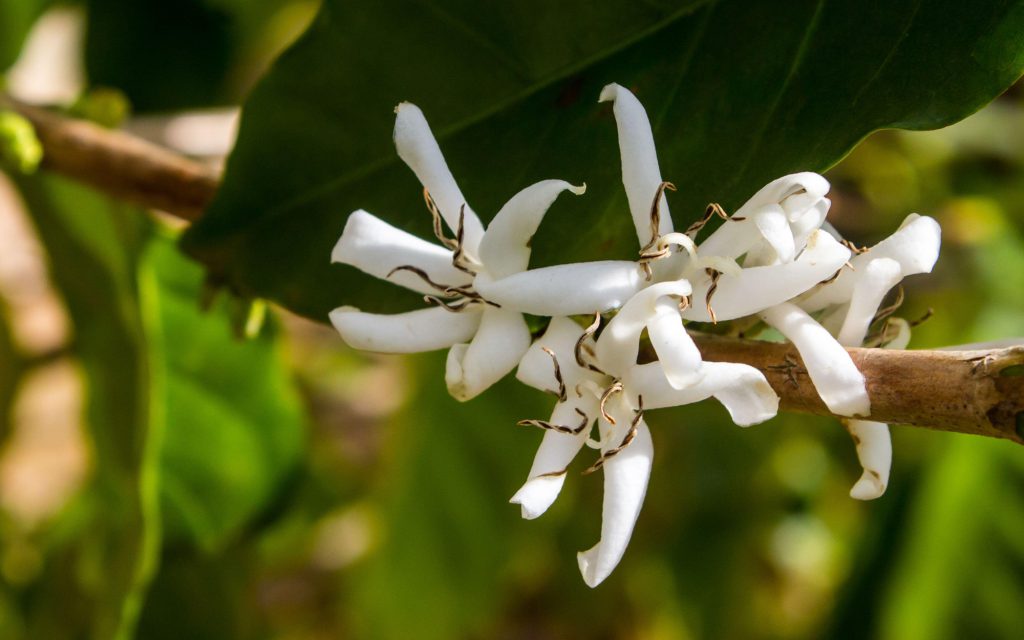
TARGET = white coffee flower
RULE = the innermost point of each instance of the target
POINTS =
(486, 339)
(851, 302)
(565, 360)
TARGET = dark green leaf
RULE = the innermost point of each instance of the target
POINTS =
(739, 93)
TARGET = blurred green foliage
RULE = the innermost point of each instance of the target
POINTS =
(227, 501)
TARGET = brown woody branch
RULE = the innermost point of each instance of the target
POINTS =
(974, 392)
(120, 164)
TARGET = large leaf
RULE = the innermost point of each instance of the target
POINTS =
(739, 93)
(234, 428)
(234, 422)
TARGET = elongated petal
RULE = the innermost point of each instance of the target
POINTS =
(375, 247)
(836, 378)
(757, 288)
(505, 248)
(556, 452)
(741, 389)
(873, 282)
(673, 345)
(809, 222)
(619, 345)
(499, 344)
(418, 149)
(640, 172)
(625, 485)
(874, 450)
(565, 290)
(773, 224)
(412, 332)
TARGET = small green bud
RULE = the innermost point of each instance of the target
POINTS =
(105, 106)
(20, 149)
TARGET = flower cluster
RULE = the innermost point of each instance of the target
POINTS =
(775, 262)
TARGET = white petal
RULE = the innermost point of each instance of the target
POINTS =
(809, 222)
(836, 378)
(625, 485)
(758, 288)
(497, 347)
(619, 345)
(375, 247)
(742, 389)
(873, 281)
(418, 149)
(771, 221)
(505, 248)
(411, 332)
(565, 290)
(902, 337)
(640, 172)
(556, 452)
(795, 193)
(874, 450)
(536, 369)
(915, 246)
(673, 345)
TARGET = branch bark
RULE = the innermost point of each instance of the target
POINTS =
(120, 164)
(973, 392)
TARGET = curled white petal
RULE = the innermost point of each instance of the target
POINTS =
(625, 485)
(418, 148)
(875, 280)
(742, 390)
(773, 224)
(836, 378)
(496, 348)
(565, 290)
(619, 345)
(554, 455)
(375, 247)
(757, 288)
(915, 245)
(795, 193)
(505, 248)
(640, 172)
(874, 451)
(411, 332)
(673, 345)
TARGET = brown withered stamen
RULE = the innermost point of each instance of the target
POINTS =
(553, 474)
(629, 437)
(927, 314)
(712, 210)
(558, 374)
(459, 255)
(715, 275)
(853, 248)
(891, 309)
(580, 343)
(560, 428)
(613, 388)
(448, 290)
(435, 214)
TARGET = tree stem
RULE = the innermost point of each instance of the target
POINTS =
(975, 392)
